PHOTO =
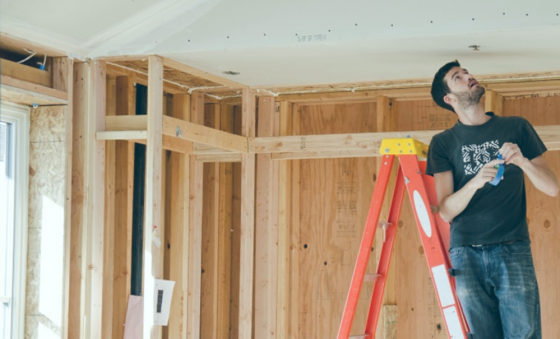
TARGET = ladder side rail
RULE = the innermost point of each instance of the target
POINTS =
(365, 246)
(443, 228)
(386, 255)
(433, 249)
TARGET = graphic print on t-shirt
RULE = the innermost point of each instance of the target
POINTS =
(476, 156)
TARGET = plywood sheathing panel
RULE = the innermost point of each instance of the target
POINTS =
(171, 74)
(542, 212)
(47, 199)
(334, 201)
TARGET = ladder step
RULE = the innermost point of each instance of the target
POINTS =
(360, 336)
(372, 277)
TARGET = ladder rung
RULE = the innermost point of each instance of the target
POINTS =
(372, 277)
(360, 336)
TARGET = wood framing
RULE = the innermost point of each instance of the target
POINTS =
(124, 181)
(284, 215)
(142, 78)
(210, 234)
(356, 145)
(26, 73)
(28, 94)
(195, 226)
(204, 135)
(207, 140)
(153, 229)
(179, 228)
(69, 113)
(18, 43)
(247, 219)
(494, 102)
(77, 254)
(266, 231)
(225, 223)
(201, 74)
(24, 86)
(109, 217)
(95, 235)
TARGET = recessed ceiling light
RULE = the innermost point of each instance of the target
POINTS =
(231, 73)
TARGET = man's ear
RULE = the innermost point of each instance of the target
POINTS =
(449, 99)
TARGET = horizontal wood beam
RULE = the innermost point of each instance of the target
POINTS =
(204, 135)
(24, 85)
(356, 145)
(23, 92)
(122, 135)
(207, 140)
(202, 74)
(26, 73)
(27, 97)
(232, 157)
(13, 42)
(212, 145)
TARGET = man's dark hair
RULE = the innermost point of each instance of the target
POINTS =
(439, 85)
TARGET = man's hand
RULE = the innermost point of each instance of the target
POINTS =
(486, 174)
(512, 154)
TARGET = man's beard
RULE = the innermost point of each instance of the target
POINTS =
(468, 99)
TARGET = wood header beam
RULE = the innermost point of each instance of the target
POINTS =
(204, 135)
(356, 145)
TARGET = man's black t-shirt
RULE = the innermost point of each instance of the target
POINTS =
(495, 213)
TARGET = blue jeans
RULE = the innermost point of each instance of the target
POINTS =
(498, 291)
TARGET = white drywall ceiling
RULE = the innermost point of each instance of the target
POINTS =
(295, 42)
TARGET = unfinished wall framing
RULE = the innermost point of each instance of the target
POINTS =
(309, 216)
(259, 201)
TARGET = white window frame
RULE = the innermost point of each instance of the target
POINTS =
(19, 116)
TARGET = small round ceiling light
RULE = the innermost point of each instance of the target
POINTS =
(231, 73)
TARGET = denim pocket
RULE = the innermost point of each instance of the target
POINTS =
(518, 247)
(456, 252)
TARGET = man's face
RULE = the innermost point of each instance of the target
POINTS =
(465, 90)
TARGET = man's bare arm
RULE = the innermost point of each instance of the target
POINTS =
(451, 204)
(536, 169)
(540, 175)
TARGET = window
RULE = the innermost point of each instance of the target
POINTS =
(14, 169)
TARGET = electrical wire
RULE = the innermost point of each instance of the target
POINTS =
(29, 57)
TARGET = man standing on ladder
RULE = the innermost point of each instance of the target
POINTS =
(490, 247)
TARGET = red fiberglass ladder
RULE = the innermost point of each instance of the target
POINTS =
(433, 232)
